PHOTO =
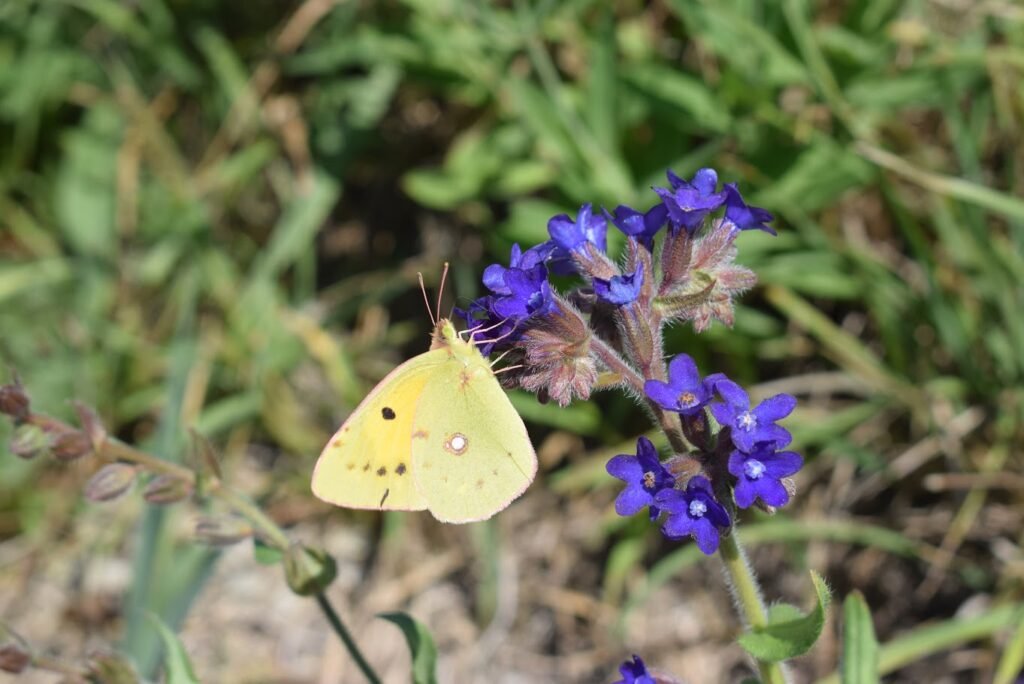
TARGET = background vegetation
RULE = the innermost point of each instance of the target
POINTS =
(212, 214)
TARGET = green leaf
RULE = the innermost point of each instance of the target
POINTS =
(860, 647)
(421, 646)
(682, 92)
(1012, 661)
(177, 666)
(264, 553)
(788, 633)
(296, 230)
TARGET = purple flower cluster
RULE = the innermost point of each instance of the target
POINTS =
(521, 291)
(678, 266)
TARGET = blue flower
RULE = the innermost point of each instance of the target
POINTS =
(694, 512)
(752, 425)
(743, 216)
(641, 227)
(644, 476)
(480, 315)
(622, 289)
(689, 202)
(684, 392)
(494, 275)
(758, 474)
(528, 292)
(519, 292)
(573, 236)
(634, 672)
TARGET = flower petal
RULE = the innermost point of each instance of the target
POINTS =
(745, 493)
(625, 467)
(775, 408)
(706, 181)
(683, 373)
(494, 279)
(772, 492)
(662, 394)
(781, 464)
(733, 393)
(632, 500)
(706, 535)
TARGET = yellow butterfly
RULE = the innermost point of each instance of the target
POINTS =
(438, 433)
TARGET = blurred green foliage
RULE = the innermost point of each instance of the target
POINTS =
(211, 214)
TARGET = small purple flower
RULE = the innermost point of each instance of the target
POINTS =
(494, 275)
(752, 425)
(640, 226)
(622, 289)
(571, 236)
(528, 293)
(689, 202)
(694, 512)
(684, 392)
(644, 476)
(634, 672)
(758, 474)
(743, 216)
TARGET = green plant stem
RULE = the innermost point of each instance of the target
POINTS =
(111, 450)
(747, 594)
(342, 631)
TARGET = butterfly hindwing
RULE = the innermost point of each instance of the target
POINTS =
(471, 453)
(368, 461)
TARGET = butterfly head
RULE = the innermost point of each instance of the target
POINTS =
(445, 335)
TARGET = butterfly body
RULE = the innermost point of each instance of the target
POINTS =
(438, 433)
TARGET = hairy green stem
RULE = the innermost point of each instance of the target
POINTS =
(747, 595)
(667, 421)
(342, 631)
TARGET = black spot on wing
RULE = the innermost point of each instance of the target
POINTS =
(400, 469)
(388, 413)
(382, 471)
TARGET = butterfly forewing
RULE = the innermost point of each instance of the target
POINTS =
(368, 461)
(471, 453)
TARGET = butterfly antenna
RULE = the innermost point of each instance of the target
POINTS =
(499, 338)
(426, 300)
(507, 368)
(440, 290)
(479, 329)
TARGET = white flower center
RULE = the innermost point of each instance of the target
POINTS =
(650, 480)
(698, 509)
(753, 469)
(747, 421)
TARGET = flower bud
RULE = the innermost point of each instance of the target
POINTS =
(70, 445)
(308, 571)
(14, 402)
(110, 482)
(222, 530)
(91, 425)
(557, 357)
(712, 280)
(110, 668)
(15, 655)
(166, 489)
(30, 441)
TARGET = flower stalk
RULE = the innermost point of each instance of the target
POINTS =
(726, 453)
